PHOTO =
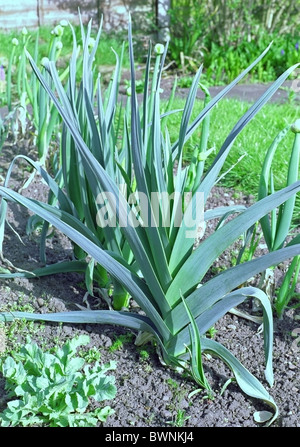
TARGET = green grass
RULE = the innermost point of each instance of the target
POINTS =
(104, 56)
(253, 141)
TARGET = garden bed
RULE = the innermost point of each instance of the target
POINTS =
(148, 393)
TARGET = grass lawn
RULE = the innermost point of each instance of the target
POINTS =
(104, 55)
(251, 144)
(246, 157)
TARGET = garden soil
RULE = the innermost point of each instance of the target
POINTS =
(149, 394)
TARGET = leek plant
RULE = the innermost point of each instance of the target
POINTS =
(41, 113)
(15, 43)
(45, 117)
(158, 263)
(277, 224)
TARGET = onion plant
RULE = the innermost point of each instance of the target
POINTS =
(149, 249)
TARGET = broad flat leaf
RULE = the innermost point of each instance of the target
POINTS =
(105, 390)
(73, 365)
(42, 383)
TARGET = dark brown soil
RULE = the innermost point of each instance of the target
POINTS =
(149, 394)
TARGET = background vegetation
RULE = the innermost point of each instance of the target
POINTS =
(226, 36)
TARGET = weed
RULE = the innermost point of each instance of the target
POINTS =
(55, 389)
(119, 342)
(179, 419)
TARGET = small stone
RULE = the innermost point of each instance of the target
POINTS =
(67, 330)
(106, 341)
(166, 398)
(166, 414)
(44, 310)
(232, 326)
(292, 366)
(40, 302)
(184, 404)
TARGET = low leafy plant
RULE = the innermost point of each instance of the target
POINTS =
(165, 272)
(55, 389)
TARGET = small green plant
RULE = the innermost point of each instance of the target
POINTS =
(185, 81)
(250, 242)
(172, 384)
(120, 341)
(212, 331)
(179, 419)
(54, 389)
(144, 354)
(139, 86)
(92, 355)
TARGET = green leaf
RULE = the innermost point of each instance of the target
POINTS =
(106, 389)
(262, 417)
(198, 263)
(195, 351)
(183, 245)
(103, 413)
(74, 365)
(42, 383)
(247, 382)
(213, 313)
(209, 293)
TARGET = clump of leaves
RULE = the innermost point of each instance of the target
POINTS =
(54, 389)
(120, 341)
